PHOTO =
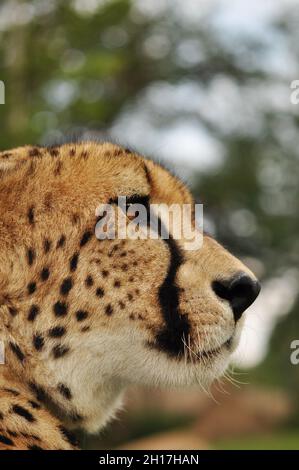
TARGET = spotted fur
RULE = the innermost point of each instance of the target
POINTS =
(80, 318)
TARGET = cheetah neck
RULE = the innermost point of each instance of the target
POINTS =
(88, 401)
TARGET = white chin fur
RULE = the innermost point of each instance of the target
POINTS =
(159, 370)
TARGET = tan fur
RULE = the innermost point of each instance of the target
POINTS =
(109, 315)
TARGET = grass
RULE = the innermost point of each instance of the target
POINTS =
(286, 440)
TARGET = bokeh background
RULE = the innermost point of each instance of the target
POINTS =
(205, 86)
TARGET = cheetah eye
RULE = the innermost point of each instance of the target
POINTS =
(132, 211)
(138, 199)
(133, 200)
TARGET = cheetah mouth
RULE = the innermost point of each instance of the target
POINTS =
(213, 353)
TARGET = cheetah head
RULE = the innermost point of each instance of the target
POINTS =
(101, 314)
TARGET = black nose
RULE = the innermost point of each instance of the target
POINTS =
(241, 291)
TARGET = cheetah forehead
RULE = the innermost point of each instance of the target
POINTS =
(71, 180)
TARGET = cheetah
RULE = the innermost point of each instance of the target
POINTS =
(81, 318)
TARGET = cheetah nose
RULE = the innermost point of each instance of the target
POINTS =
(241, 291)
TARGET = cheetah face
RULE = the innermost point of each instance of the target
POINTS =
(118, 310)
(164, 314)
